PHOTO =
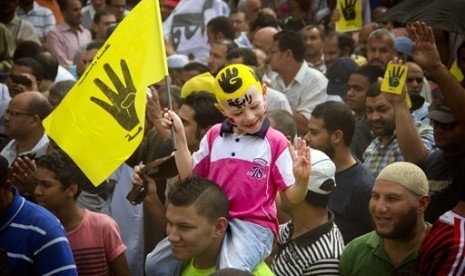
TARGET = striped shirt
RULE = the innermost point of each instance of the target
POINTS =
(313, 253)
(34, 240)
(442, 250)
(378, 156)
(40, 17)
(96, 242)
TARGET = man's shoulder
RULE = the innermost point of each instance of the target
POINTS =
(41, 10)
(309, 74)
(99, 219)
(356, 172)
(44, 222)
(364, 243)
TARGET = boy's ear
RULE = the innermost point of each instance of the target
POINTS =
(221, 110)
(72, 190)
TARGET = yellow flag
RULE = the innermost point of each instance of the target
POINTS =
(350, 15)
(100, 122)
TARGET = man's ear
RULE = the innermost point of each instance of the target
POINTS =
(423, 204)
(72, 190)
(35, 120)
(337, 137)
(202, 131)
(221, 226)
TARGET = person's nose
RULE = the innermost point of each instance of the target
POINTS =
(172, 234)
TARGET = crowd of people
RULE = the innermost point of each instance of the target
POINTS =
(276, 151)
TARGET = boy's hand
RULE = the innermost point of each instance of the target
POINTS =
(301, 160)
(171, 118)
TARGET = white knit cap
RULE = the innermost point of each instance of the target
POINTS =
(406, 174)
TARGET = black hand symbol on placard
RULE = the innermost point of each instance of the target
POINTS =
(122, 107)
(230, 80)
(395, 75)
(348, 9)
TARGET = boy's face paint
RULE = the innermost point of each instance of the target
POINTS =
(246, 112)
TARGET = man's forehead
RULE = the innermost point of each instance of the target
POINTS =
(383, 41)
(378, 100)
(182, 214)
(389, 188)
(186, 113)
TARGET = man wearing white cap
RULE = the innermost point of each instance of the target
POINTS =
(311, 242)
(175, 65)
(398, 202)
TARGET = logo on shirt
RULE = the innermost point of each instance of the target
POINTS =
(258, 170)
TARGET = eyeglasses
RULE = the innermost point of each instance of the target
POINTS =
(14, 113)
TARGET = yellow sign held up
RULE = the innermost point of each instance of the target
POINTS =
(350, 15)
(394, 80)
(101, 120)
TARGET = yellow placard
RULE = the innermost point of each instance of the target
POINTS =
(101, 120)
(456, 72)
(394, 78)
(350, 15)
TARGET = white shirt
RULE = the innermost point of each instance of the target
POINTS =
(277, 100)
(10, 150)
(307, 90)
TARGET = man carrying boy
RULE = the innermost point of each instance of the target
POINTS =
(197, 225)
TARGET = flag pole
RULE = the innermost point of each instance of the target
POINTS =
(170, 107)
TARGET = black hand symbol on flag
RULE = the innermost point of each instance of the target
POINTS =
(348, 9)
(122, 107)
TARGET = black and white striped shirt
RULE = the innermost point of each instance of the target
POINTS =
(313, 253)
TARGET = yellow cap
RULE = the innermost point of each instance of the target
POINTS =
(202, 82)
(233, 81)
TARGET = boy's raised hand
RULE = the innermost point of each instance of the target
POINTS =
(301, 160)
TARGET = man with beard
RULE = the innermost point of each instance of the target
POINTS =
(398, 138)
(398, 201)
(331, 129)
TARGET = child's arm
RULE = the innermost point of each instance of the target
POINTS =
(182, 154)
(301, 168)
